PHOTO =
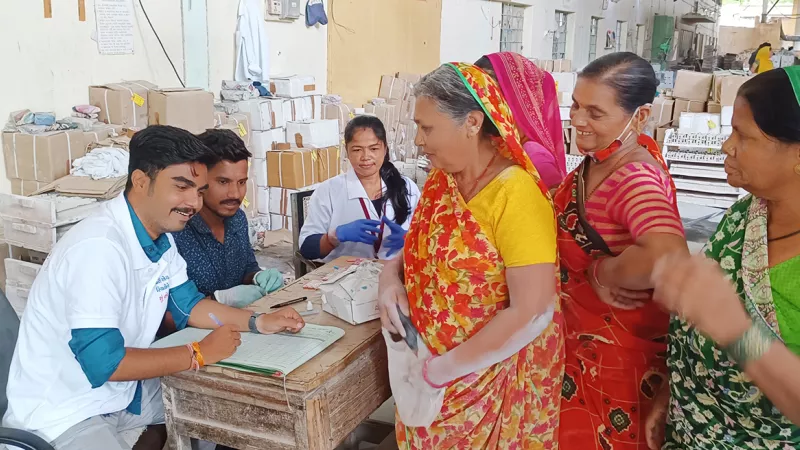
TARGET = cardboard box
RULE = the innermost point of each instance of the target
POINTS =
(549, 65)
(266, 113)
(703, 123)
(191, 109)
(292, 169)
(352, 295)
(393, 88)
(101, 132)
(729, 87)
(565, 81)
(85, 187)
(42, 157)
(293, 86)
(313, 133)
(220, 118)
(305, 108)
(342, 112)
(663, 111)
(258, 168)
(694, 86)
(404, 110)
(661, 134)
(263, 141)
(387, 112)
(280, 200)
(240, 124)
(279, 222)
(122, 103)
(410, 78)
(261, 199)
(298, 168)
(713, 107)
(562, 65)
(726, 116)
(23, 187)
(683, 106)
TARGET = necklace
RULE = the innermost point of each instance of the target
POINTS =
(468, 193)
(785, 236)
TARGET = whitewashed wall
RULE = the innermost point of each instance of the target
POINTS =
(48, 63)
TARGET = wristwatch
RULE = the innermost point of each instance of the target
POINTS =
(252, 323)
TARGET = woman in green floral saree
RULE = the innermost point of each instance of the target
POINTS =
(735, 337)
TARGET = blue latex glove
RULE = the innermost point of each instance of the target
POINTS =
(269, 280)
(363, 231)
(239, 296)
(396, 240)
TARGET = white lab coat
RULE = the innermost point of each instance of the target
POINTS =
(338, 201)
(97, 276)
(252, 46)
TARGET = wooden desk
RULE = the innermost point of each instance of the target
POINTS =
(320, 404)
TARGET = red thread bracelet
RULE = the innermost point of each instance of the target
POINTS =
(425, 375)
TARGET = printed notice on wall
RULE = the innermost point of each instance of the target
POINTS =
(114, 26)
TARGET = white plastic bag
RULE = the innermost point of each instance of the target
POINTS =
(418, 403)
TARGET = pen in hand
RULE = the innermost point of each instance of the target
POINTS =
(214, 318)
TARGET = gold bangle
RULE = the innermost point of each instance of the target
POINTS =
(752, 344)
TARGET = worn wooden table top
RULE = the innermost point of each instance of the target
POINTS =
(332, 360)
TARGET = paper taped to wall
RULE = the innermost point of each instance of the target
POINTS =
(114, 27)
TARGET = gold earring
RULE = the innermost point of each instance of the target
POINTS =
(797, 169)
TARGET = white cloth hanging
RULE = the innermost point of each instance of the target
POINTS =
(252, 45)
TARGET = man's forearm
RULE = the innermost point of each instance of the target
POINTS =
(145, 363)
(200, 315)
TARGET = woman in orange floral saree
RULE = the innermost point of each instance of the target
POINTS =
(480, 268)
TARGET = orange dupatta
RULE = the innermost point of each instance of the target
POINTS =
(456, 284)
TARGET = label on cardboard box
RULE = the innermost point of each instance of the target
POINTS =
(122, 103)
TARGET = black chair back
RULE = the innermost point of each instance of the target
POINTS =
(9, 329)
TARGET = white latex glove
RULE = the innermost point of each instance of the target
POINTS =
(240, 296)
(418, 403)
(391, 293)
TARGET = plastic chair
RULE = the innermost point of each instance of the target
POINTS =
(9, 329)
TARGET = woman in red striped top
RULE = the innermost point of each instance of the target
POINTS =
(617, 215)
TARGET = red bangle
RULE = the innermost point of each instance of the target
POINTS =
(425, 375)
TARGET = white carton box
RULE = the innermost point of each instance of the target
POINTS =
(265, 113)
(259, 171)
(280, 199)
(292, 86)
(262, 199)
(18, 297)
(313, 133)
(565, 81)
(726, 116)
(261, 141)
(352, 295)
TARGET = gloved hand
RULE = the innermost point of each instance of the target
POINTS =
(362, 230)
(269, 280)
(397, 238)
(239, 296)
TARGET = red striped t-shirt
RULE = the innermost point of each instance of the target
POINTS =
(636, 199)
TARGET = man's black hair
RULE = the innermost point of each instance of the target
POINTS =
(226, 145)
(159, 146)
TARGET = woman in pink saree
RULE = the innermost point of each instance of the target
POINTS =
(531, 95)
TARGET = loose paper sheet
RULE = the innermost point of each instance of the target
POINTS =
(114, 26)
(272, 354)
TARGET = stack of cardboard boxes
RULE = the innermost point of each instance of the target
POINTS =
(286, 134)
(554, 65)
(46, 200)
(694, 152)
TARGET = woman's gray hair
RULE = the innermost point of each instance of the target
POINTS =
(446, 89)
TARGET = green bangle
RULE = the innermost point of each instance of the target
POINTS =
(752, 344)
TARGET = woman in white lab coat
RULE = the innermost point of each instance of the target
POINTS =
(365, 212)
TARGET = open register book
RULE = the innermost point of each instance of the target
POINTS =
(269, 354)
